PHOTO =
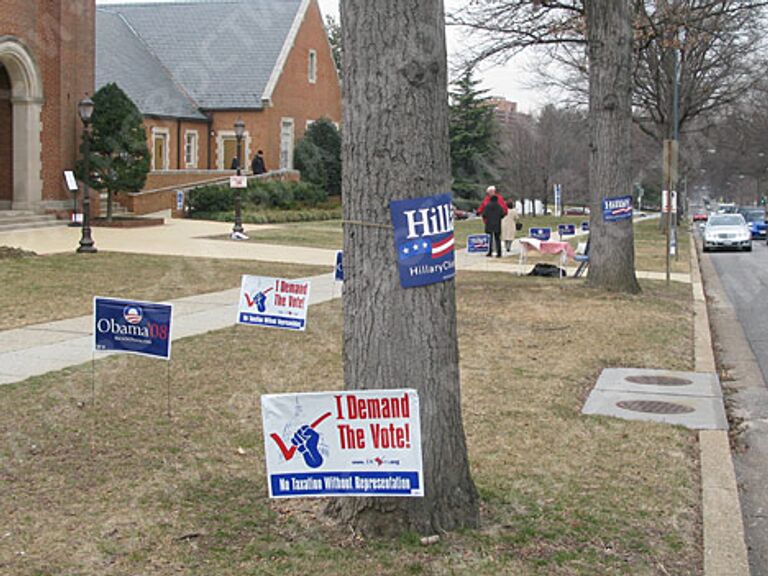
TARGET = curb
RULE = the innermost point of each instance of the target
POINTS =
(725, 549)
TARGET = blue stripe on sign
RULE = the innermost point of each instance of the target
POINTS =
(271, 321)
(344, 483)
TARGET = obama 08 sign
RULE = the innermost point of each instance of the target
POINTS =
(352, 443)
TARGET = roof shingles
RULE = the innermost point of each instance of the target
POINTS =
(207, 54)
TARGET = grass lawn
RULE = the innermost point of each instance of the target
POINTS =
(119, 489)
(44, 288)
(649, 242)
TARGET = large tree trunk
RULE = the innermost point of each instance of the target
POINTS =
(609, 35)
(395, 146)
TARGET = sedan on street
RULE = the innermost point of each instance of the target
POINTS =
(755, 218)
(727, 231)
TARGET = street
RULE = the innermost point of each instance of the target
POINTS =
(735, 285)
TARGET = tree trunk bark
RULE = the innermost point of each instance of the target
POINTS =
(395, 146)
(609, 37)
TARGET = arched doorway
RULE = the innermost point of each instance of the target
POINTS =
(20, 124)
(6, 140)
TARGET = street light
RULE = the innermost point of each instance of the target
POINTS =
(239, 131)
(85, 109)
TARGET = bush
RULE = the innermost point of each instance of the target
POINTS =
(210, 199)
(259, 194)
(271, 216)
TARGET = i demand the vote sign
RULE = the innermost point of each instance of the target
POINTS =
(424, 239)
(274, 302)
(356, 443)
(132, 327)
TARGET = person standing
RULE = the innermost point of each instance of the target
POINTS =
(258, 166)
(493, 213)
(490, 192)
(509, 227)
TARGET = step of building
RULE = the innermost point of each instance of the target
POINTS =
(27, 221)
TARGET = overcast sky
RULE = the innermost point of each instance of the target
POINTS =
(507, 81)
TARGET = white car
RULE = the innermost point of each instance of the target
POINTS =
(727, 231)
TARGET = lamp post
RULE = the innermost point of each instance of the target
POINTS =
(85, 109)
(239, 131)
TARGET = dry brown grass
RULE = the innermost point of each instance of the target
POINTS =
(121, 489)
(45, 288)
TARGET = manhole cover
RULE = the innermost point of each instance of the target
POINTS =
(654, 407)
(658, 380)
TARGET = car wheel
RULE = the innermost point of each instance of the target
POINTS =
(705, 249)
(748, 248)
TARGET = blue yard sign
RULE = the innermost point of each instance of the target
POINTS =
(540, 233)
(338, 273)
(617, 209)
(424, 240)
(566, 229)
(478, 243)
(585, 226)
(132, 327)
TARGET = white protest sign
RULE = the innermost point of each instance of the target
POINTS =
(352, 443)
(273, 302)
(238, 182)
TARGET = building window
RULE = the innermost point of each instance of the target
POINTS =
(160, 153)
(286, 143)
(312, 66)
(190, 148)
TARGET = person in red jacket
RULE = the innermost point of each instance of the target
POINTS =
(491, 191)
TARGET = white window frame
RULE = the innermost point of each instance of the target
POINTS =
(308, 124)
(312, 67)
(164, 133)
(191, 148)
(288, 164)
(222, 135)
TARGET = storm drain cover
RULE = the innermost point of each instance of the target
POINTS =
(658, 380)
(654, 407)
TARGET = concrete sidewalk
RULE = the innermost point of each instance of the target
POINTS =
(41, 348)
(192, 238)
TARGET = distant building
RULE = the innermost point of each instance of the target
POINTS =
(505, 110)
(46, 68)
(194, 67)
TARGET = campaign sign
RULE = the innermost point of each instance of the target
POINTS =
(585, 226)
(353, 443)
(338, 273)
(540, 233)
(274, 303)
(566, 229)
(132, 327)
(424, 240)
(478, 243)
(616, 209)
(180, 200)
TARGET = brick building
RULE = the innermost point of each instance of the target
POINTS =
(46, 68)
(194, 67)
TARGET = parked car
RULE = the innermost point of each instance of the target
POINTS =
(460, 214)
(755, 218)
(700, 216)
(576, 211)
(727, 231)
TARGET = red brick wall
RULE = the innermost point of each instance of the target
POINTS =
(176, 130)
(293, 97)
(60, 36)
(6, 138)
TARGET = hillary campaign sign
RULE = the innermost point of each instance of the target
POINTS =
(424, 239)
(338, 273)
(354, 443)
(274, 302)
(566, 229)
(132, 327)
(478, 243)
(616, 209)
(585, 226)
(540, 233)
